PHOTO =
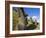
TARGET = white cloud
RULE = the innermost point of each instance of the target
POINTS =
(28, 17)
(36, 18)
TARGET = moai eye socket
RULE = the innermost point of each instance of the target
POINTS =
(15, 9)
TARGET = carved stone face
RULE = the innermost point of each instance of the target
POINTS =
(19, 19)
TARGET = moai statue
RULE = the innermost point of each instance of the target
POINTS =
(20, 25)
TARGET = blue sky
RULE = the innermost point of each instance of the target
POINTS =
(32, 11)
